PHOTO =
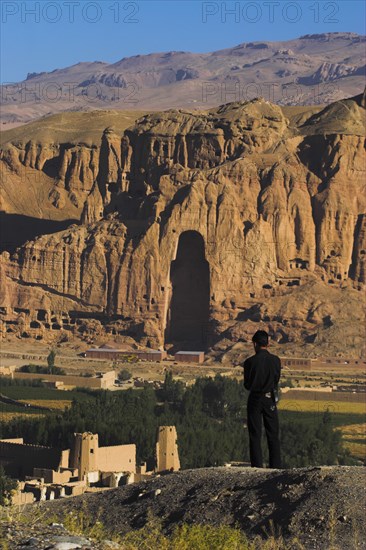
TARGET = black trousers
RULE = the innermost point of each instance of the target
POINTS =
(260, 407)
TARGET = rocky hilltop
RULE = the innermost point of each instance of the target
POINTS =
(322, 507)
(312, 69)
(201, 226)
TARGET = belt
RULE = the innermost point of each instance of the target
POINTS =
(268, 394)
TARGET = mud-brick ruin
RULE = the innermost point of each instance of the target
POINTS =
(200, 225)
(45, 473)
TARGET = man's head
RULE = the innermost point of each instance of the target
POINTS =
(260, 340)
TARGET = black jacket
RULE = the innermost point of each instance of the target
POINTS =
(262, 372)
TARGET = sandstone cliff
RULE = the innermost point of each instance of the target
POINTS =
(201, 222)
(48, 169)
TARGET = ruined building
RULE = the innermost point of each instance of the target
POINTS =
(52, 473)
(167, 457)
(88, 457)
(85, 458)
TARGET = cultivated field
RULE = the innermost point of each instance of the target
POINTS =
(320, 406)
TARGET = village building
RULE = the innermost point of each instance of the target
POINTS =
(102, 381)
(189, 356)
(297, 363)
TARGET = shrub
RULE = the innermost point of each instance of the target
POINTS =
(207, 537)
(51, 361)
(38, 369)
(7, 486)
(124, 375)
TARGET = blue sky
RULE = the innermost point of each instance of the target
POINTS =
(44, 35)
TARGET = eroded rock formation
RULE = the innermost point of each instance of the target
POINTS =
(270, 205)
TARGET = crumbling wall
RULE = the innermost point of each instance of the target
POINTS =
(19, 460)
(167, 457)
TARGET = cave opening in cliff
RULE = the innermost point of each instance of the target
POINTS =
(188, 311)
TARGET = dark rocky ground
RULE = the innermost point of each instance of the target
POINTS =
(323, 506)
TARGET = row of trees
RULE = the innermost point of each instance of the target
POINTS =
(210, 418)
(39, 369)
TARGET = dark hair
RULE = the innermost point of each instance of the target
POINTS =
(261, 338)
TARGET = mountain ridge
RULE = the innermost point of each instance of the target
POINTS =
(312, 69)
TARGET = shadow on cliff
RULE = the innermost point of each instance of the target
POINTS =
(180, 196)
(16, 229)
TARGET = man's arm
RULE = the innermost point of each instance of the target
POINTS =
(247, 372)
(278, 371)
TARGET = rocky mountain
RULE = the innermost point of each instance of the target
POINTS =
(201, 227)
(312, 69)
(54, 161)
(314, 508)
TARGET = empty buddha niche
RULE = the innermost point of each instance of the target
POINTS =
(188, 312)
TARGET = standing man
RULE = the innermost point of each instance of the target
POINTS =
(262, 373)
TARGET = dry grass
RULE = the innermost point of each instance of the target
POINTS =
(59, 405)
(311, 405)
(72, 127)
(354, 438)
(309, 395)
(358, 450)
(355, 430)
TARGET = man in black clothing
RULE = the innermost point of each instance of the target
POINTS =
(262, 373)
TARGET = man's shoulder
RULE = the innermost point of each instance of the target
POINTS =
(275, 357)
(249, 360)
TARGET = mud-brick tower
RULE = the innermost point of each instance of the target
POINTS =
(167, 457)
(84, 453)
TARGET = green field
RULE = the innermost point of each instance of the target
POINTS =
(6, 408)
(337, 419)
(54, 400)
(320, 406)
(22, 393)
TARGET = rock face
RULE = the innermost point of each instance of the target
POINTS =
(48, 169)
(73, 167)
(329, 72)
(199, 223)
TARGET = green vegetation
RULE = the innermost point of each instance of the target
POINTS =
(287, 383)
(196, 536)
(9, 408)
(38, 369)
(209, 416)
(189, 537)
(151, 537)
(51, 361)
(18, 382)
(35, 393)
(172, 391)
(7, 486)
(124, 375)
(311, 417)
(81, 522)
(42, 393)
